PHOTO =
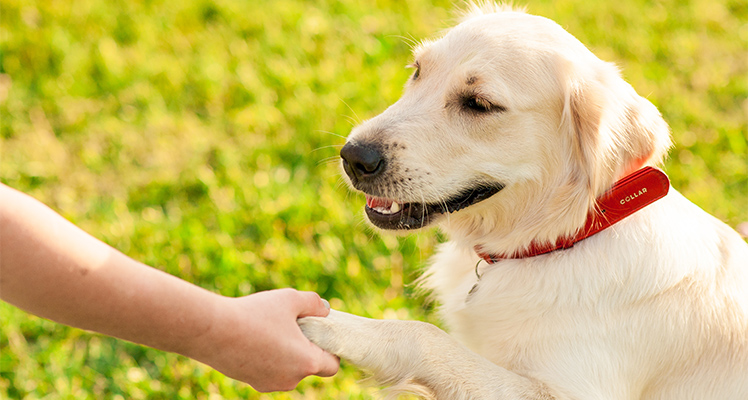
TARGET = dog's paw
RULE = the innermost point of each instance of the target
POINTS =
(320, 331)
(339, 333)
(356, 339)
(386, 348)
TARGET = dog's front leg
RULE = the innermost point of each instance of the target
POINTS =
(415, 355)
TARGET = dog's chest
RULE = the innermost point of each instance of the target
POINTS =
(515, 313)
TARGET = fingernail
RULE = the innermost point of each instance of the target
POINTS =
(326, 303)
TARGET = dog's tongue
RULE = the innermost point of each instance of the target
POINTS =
(378, 202)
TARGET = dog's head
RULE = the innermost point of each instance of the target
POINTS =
(507, 125)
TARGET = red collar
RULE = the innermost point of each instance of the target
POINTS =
(627, 196)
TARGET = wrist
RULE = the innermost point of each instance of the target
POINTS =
(220, 320)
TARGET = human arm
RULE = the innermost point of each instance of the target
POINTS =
(53, 269)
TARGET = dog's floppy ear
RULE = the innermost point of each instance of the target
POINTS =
(613, 131)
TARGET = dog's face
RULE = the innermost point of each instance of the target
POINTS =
(496, 121)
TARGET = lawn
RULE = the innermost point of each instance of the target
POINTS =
(201, 138)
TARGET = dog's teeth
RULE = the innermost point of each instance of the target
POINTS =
(383, 206)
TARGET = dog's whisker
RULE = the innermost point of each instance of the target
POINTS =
(423, 210)
(351, 120)
(328, 161)
(355, 120)
(330, 133)
(342, 183)
(326, 147)
(443, 202)
(410, 41)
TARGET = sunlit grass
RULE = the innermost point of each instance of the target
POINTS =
(196, 136)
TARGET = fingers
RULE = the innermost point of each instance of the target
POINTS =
(321, 363)
(311, 305)
(329, 365)
(314, 306)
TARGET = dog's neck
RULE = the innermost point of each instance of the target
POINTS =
(627, 196)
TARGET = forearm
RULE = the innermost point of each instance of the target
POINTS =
(53, 269)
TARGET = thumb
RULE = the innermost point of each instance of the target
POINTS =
(311, 305)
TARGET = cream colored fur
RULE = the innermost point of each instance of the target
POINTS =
(655, 307)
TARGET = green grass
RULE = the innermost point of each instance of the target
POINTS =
(200, 137)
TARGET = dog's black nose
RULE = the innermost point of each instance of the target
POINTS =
(361, 161)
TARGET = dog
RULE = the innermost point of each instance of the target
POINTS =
(573, 270)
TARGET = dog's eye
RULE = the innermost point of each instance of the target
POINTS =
(478, 104)
(417, 66)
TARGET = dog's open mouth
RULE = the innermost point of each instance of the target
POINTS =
(391, 214)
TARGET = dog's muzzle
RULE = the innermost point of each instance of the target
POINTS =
(366, 166)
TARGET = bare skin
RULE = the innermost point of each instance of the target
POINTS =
(51, 268)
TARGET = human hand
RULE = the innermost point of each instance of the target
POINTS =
(255, 339)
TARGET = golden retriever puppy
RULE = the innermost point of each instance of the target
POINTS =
(573, 270)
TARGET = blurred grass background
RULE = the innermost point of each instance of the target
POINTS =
(200, 137)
